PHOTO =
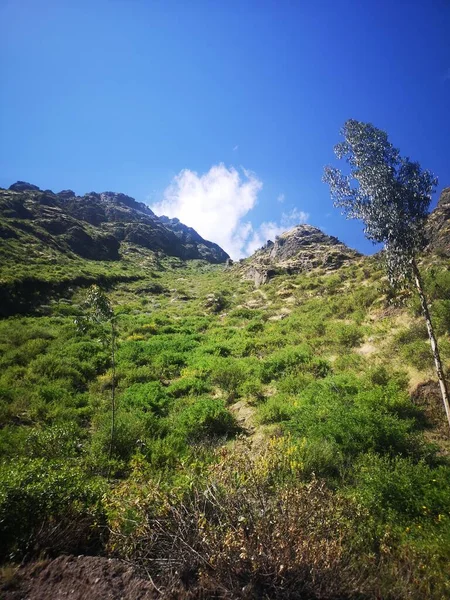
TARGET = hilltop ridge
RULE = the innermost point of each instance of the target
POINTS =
(94, 226)
(302, 248)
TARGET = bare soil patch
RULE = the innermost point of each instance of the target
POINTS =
(77, 578)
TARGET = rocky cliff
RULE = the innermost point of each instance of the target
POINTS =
(300, 249)
(93, 226)
(438, 226)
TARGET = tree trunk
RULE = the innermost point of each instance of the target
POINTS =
(433, 341)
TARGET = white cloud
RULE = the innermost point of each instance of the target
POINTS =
(270, 229)
(216, 205)
(281, 198)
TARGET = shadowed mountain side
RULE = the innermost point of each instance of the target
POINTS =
(94, 225)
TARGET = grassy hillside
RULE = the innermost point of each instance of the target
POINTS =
(271, 442)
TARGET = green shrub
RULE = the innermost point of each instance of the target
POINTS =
(243, 313)
(28, 351)
(415, 332)
(252, 388)
(441, 316)
(228, 375)
(382, 376)
(294, 384)
(349, 362)
(276, 409)
(147, 397)
(284, 361)
(206, 418)
(188, 386)
(255, 326)
(437, 284)
(129, 374)
(37, 493)
(418, 354)
(319, 458)
(60, 367)
(348, 336)
(170, 363)
(132, 430)
(55, 442)
(13, 441)
(399, 487)
(319, 367)
(340, 410)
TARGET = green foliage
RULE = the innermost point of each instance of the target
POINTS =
(346, 435)
(418, 354)
(59, 441)
(389, 193)
(252, 388)
(276, 409)
(205, 419)
(228, 375)
(33, 492)
(147, 397)
(284, 361)
(402, 488)
(188, 386)
(131, 428)
(441, 316)
(415, 332)
(382, 376)
(437, 283)
(348, 336)
(341, 411)
(294, 384)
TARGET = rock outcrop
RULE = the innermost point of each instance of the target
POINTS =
(23, 186)
(300, 249)
(438, 226)
(94, 225)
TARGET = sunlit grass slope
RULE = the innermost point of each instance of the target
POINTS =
(268, 441)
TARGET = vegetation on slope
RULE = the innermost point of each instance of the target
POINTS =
(266, 441)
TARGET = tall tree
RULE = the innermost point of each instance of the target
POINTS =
(100, 311)
(391, 195)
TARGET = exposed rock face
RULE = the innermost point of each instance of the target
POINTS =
(193, 242)
(66, 194)
(96, 247)
(23, 186)
(94, 225)
(438, 225)
(300, 249)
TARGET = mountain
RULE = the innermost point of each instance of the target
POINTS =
(95, 226)
(302, 248)
(438, 226)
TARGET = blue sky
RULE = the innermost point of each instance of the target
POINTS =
(222, 111)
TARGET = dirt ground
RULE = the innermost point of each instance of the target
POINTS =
(77, 578)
